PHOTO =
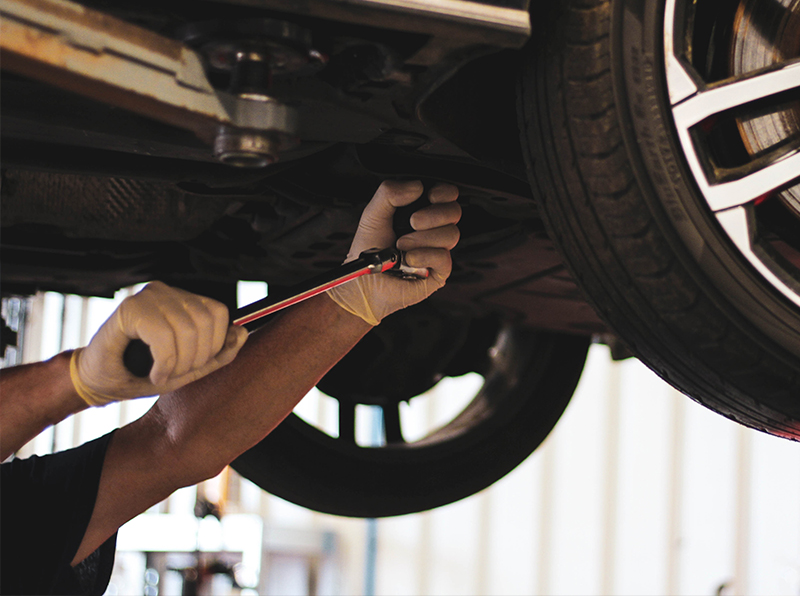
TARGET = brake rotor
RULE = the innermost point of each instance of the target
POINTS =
(763, 38)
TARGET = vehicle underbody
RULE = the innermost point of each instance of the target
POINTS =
(96, 198)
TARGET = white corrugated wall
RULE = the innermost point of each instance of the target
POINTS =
(637, 491)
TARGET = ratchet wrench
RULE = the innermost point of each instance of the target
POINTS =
(139, 360)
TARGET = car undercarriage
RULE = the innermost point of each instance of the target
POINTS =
(96, 198)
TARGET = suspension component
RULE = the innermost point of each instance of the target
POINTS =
(93, 54)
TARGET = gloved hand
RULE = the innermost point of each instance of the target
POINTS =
(372, 297)
(188, 335)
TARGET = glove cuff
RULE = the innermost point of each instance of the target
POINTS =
(352, 298)
(93, 398)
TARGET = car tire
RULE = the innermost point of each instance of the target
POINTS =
(647, 233)
(529, 378)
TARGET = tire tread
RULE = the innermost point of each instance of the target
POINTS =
(593, 206)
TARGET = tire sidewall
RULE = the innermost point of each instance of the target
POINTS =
(672, 195)
(299, 463)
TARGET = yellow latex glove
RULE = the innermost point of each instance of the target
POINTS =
(189, 337)
(373, 297)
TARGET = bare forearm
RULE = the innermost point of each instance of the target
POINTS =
(226, 413)
(33, 397)
(192, 433)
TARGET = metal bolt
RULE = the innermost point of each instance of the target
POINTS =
(251, 72)
(245, 148)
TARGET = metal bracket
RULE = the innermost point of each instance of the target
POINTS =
(88, 52)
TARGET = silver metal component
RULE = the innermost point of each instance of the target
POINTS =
(88, 52)
(679, 82)
(380, 260)
(245, 148)
(392, 262)
(259, 112)
(739, 227)
(262, 136)
(732, 194)
(738, 92)
(760, 40)
(405, 271)
(767, 175)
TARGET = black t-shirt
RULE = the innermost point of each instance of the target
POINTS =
(45, 506)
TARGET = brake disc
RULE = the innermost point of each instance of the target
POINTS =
(762, 39)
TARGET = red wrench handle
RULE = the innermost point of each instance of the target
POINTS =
(371, 261)
(139, 360)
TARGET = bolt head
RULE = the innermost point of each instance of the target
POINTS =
(245, 148)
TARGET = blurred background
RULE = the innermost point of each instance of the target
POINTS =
(638, 490)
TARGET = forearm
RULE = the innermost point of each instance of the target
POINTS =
(226, 413)
(192, 433)
(33, 397)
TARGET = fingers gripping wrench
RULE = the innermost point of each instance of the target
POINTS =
(139, 360)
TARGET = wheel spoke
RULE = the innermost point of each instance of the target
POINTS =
(777, 174)
(725, 189)
(391, 423)
(727, 95)
(680, 82)
(739, 226)
(347, 422)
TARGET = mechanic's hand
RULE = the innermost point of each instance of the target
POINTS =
(372, 297)
(188, 335)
